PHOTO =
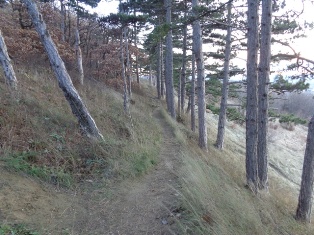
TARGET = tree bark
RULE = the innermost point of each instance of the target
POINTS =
(169, 64)
(183, 71)
(85, 120)
(263, 80)
(128, 64)
(150, 75)
(179, 98)
(125, 90)
(162, 68)
(6, 65)
(159, 62)
(306, 191)
(62, 25)
(79, 56)
(225, 87)
(198, 51)
(251, 103)
(193, 94)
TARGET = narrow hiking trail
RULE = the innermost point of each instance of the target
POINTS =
(146, 205)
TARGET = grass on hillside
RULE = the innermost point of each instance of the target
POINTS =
(40, 136)
(216, 201)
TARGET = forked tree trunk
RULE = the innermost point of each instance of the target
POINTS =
(79, 56)
(306, 191)
(251, 103)
(85, 120)
(198, 51)
(169, 64)
(9, 73)
(263, 78)
(224, 96)
(193, 94)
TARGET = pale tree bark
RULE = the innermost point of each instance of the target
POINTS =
(62, 26)
(306, 191)
(198, 51)
(169, 64)
(85, 120)
(225, 87)
(79, 56)
(159, 62)
(183, 71)
(136, 54)
(179, 98)
(128, 64)
(150, 75)
(162, 68)
(192, 94)
(125, 90)
(251, 103)
(263, 88)
(8, 70)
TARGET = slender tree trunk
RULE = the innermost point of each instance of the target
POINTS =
(150, 75)
(179, 98)
(193, 94)
(158, 82)
(183, 71)
(162, 77)
(78, 51)
(6, 65)
(136, 53)
(306, 191)
(125, 90)
(128, 65)
(62, 26)
(169, 64)
(198, 51)
(225, 87)
(263, 78)
(86, 122)
(251, 103)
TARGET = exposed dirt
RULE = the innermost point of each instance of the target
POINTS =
(141, 206)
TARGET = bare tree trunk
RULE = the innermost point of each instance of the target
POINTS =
(128, 65)
(6, 65)
(136, 54)
(263, 78)
(159, 62)
(79, 56)
(198, 51)
(62, 26)
(183, 71)
(251, 104)
(150, 75)
(85, 120)
(225, 87)
(125, 92)
(179, 98)
(169, 64)
(306, 191)
(162, 77)
(193, 94)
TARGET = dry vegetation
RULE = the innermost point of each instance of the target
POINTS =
(40, 139)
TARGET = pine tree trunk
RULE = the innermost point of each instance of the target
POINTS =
(86, 122)
(183, 71)
(263, 80)
(169, 64)
(136, 53)
(150, 75)
(225, 87)
(306, 191)
(158, 85)
(251, 103)
(193, 94)
(162, 68)
(179, 98)
(198, 51)
(125, 90)
(62, 26)
(6, 65)
(128, 65)
(79, 56)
